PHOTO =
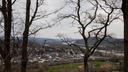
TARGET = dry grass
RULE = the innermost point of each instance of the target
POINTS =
(106, 67)
(30, 68)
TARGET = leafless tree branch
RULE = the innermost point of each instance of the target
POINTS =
(13, 2)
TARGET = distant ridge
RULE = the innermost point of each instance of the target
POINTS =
(108, 42)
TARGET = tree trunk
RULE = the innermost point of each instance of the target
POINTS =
(24, 52)
(7, 65)
(25, 38)
(125, 15)
(7, 57)
(85, 63)
(126, 44)
(7, 13)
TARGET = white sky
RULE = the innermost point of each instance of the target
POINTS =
(66, 28)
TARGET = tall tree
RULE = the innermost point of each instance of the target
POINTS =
(85, 19)
(30, 16)
(28, 22)
(6, 10)
(125, 16)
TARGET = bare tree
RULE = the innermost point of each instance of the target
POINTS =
(125, 16)
(86, 19)
(28, 22)
(6, 9)
(29, 18)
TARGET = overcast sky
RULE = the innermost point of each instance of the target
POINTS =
(66, 28)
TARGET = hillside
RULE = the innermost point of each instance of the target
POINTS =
(116, 44)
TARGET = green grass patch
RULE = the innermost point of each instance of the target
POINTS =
(74, 67)
(64, 68)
